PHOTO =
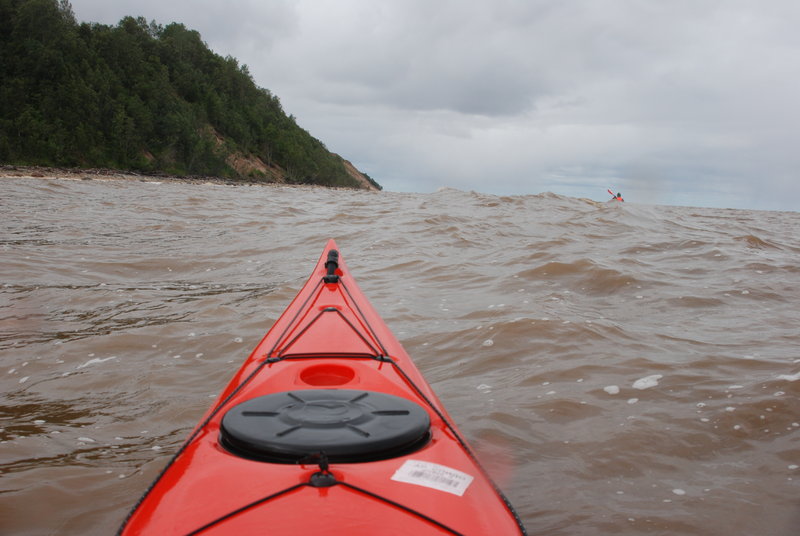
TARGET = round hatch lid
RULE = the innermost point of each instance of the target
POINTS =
(347, 425)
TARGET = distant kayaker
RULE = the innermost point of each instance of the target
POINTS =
(617, 196)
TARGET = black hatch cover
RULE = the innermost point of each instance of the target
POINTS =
(347, 425)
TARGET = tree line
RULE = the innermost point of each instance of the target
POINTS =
(139, 96)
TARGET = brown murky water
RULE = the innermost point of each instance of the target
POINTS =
(622, 369)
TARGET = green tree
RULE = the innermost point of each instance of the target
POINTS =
(138, 96)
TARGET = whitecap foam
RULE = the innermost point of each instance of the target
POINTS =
(647, 382)
(95, 361)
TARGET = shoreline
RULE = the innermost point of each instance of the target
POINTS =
(104, 174)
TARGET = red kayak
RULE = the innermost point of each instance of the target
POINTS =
(328, 428)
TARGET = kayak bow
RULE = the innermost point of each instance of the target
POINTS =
(328, 428)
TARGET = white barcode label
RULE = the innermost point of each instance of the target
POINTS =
(433, 475)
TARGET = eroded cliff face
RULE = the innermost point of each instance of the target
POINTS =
(254, 167)
(250, 166)
(357, 175)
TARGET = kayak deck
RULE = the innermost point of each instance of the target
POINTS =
(327, 428)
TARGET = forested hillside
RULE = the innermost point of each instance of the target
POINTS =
(145, 97)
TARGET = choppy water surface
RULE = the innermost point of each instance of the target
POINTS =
(622, 369)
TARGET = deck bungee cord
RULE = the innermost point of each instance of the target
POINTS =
(323, 479)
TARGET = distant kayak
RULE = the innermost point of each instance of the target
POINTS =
(327, 428)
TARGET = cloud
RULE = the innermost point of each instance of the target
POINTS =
(239, 26)
(512, 96)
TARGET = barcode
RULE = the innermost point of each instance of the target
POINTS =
(433, 475)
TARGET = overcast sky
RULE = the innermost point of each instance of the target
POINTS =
(679, 102)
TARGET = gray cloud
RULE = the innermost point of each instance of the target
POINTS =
(676, 102)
